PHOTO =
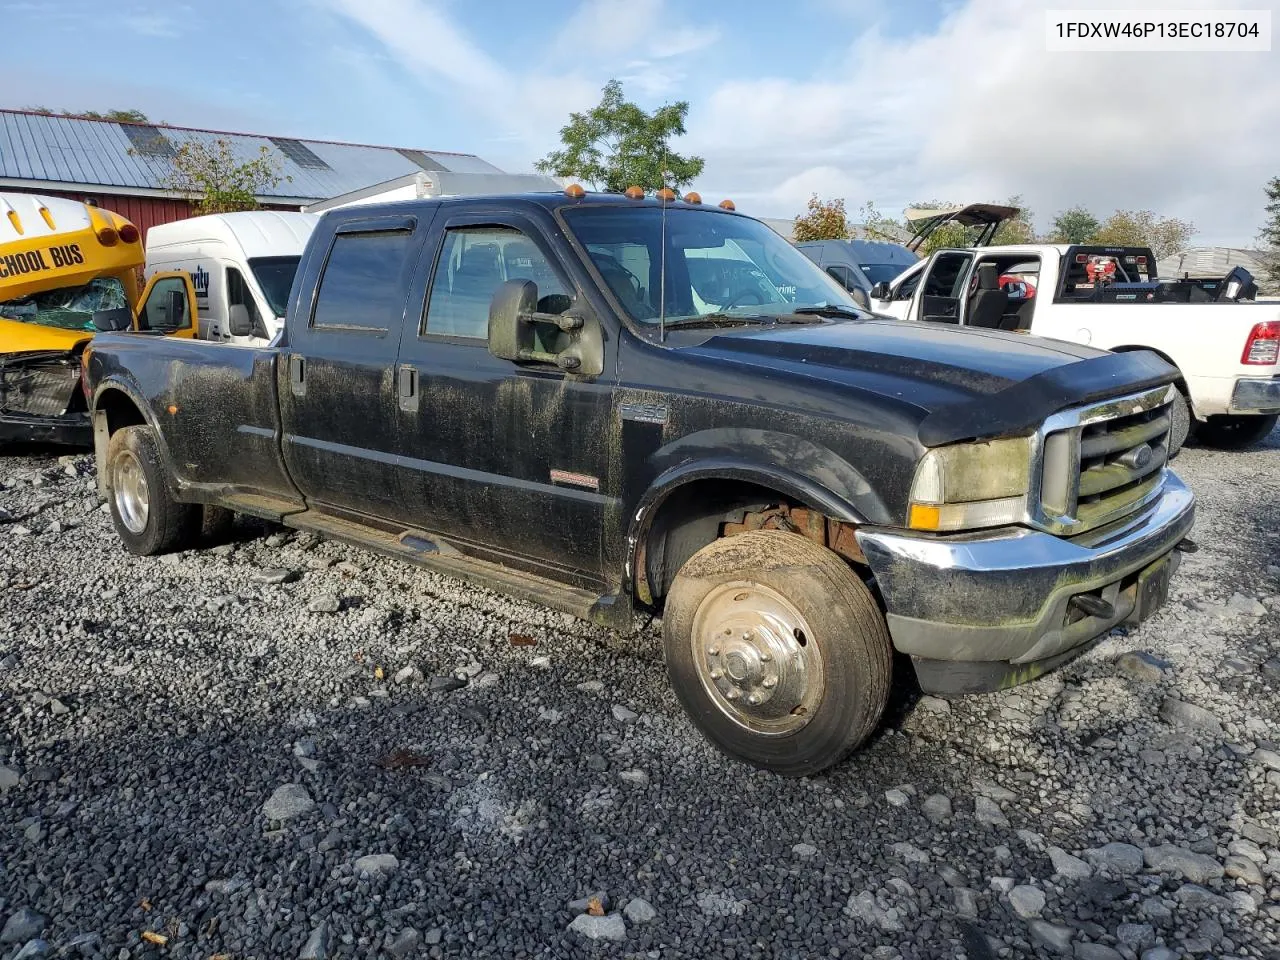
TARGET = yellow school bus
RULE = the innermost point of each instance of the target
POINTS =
(68, 270)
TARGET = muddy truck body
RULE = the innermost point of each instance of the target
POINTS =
(613, 406)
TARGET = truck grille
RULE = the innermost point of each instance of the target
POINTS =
(1101, 463)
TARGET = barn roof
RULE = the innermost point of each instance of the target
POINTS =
(53, 152)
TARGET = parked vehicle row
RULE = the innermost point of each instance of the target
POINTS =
(1226, 351)
(608, 403)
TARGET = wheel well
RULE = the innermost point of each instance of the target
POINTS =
(1180, 382)
(119, 409)
(703, 511)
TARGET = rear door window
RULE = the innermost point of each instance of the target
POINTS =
(365, 282)
(166, 307)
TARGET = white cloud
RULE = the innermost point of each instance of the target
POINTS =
(971, 107)
(978, 110)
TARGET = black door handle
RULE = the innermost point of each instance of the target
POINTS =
(407, 388)
(298, 374)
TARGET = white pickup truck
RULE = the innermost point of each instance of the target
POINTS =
(1225, 347)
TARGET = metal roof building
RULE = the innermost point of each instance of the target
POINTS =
(125, 167)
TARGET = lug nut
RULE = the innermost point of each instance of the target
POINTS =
(769, 682)
(731, 694)
(765, 656)
(717, 674)
(713, 651)
(755, 699)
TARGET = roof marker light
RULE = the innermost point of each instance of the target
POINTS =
(667, 194)
(694, 198)
(634, 192)
(727, 205)
(574, 191)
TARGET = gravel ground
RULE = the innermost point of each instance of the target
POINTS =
(287, 748)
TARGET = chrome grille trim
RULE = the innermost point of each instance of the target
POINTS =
(1101, 488)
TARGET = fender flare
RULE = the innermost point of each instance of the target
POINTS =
(100, 436)
(789, 483)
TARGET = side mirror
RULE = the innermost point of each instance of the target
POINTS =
(110, 321)
(238, 321)
(519, 332)
(880, 291)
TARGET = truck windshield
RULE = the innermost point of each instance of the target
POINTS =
(716, 263)
(275, 277)
(70, 308)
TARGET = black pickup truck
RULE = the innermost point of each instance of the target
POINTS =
(612, 405)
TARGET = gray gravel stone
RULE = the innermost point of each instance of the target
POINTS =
(1026, 900)
(805, 851)
(936, 807)
(9, 778)
(1144, 666)
(1121, 858)
(896, 797)
(639, 911)
(376, 865)
(1248, 849)
(325, 603)
(32, 949)
(288, 801)
(1159, 953)
(909, 853)
(405, 943)
(1242, 868)
(1190, 715)
(1051, 936)
(1194, 896)
(1096, 951)
(1136, 935)
(1169, 858)
(987, 811)
(636, 778)
(1267, 759)
(1245, 606)
(934, 705)
(966, 901)
(608, 927)
(1068, 866)
(22, 925)
(317, 945)
(720, 904)
(624, 714)
(274, 575)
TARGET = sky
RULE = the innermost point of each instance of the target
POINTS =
(889, 101)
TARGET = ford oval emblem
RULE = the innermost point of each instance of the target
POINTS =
(1139, 458)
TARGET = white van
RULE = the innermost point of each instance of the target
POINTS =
(242, 266)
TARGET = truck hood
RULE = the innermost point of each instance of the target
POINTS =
(19, 337)
(966, 384)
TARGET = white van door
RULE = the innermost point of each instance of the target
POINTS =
(245, 324)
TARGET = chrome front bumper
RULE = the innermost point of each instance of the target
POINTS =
(1256, 396)
(1003, 596)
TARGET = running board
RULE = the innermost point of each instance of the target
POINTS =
(435, 554)
(265, 508)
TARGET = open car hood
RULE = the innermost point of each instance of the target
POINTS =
(988, 216)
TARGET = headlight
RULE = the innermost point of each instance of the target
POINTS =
(969, 485)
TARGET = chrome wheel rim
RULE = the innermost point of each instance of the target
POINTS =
(757, 659)
(130, 491)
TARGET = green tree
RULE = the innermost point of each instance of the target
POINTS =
(1142, 228)
(824, 220)
(616, 144)
(878, 226)
(1074, 225)
(1019, 229)
(215, 180)
(1269, 237)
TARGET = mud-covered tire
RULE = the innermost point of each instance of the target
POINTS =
(1180, 428)
(147, 519)
(1235, 432)
(768, 592)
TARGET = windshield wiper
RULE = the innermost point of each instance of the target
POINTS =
(830, 310)
(717, 320)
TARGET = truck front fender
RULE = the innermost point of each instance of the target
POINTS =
(100, 412)
(796, 470)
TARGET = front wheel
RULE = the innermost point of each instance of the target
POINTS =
(147, 519)
(1180, 423)
(1236, 431)
(777, 651)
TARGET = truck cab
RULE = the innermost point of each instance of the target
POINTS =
(858, 265)
(241, 267)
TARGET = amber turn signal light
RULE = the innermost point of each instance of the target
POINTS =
(574, 191)
(727, 205)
